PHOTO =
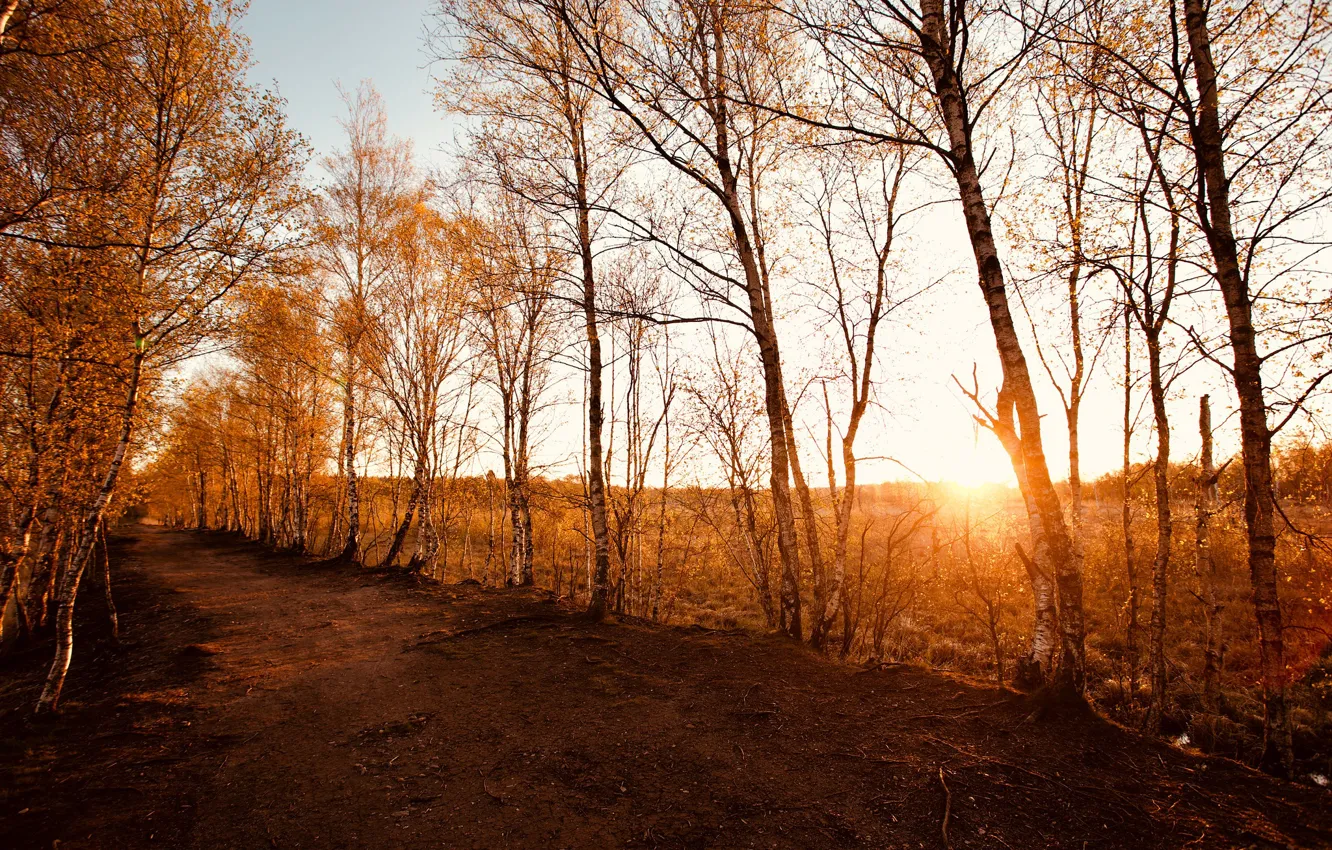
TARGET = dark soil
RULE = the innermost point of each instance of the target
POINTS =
(259, 701)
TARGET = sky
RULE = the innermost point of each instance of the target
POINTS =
(306, 48)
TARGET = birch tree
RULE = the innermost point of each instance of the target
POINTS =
(857, 205)
(210, 174)
(515, 325)
(681, 77)
(370, 186)
(520, 71)
(419, 350)
(1247, 94)
(962, 60)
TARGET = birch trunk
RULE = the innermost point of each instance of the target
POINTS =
(1204, 566)
(661, 516)
(113, 619)
(596, 482)
(69, 587)
(414, 502)
(490, 524)
(748, 245)
(1053, 544)
(1035, 668)
(774, 398)
(1161, 562)
(808, 517)
(1072, 418)
(351, 549)
(11, 578)
(201, 506)
(10, 574)
(426, 549)
(526, 574)
(400, 535)
(1126, 520)
(842, 505)
(842, 511)
(1213, 202)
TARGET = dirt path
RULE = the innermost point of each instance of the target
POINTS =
(262, 702)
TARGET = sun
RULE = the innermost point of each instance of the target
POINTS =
(984, 462)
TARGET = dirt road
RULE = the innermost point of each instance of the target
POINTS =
(260, 701)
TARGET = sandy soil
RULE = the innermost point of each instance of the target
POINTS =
(263, 701)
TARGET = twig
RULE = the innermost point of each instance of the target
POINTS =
(746, 711)
(882, 667)
(443, 635)
(948, 808)
(863, 756)
(744, 700)
(995, 761)
(633, 659)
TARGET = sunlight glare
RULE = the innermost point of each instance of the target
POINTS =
(983, 463)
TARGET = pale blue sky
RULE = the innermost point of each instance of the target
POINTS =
(307, 46)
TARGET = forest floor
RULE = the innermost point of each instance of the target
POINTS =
(262, 701)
